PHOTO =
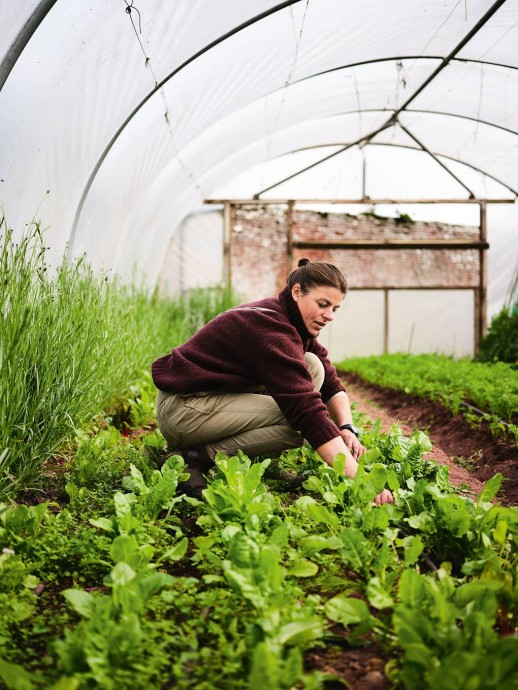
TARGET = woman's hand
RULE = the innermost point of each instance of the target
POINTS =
(384, 497)
(353, 445)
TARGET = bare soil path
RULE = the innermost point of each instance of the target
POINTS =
(473, 455)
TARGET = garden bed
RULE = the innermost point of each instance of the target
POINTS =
(474, 455)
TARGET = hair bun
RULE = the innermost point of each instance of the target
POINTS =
(303, 262)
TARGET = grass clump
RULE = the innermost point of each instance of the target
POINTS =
(71, 341)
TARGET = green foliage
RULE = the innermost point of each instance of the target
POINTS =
(21, 525)
(237, 493)
(200, 305)
(17, 600)
(133, 585)
(69, 343)
(403, 219)
(136, 408)
(447, 633)
(490, 387)
(159, 494)
(501, 341)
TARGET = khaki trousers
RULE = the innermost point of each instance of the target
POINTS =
(225, 422)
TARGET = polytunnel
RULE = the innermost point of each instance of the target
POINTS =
(308, 481)
(119, 120)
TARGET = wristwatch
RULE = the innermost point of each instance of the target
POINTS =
(350, 427)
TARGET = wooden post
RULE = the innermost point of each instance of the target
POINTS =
(364, 176)
(476, 324)
(227, 243)
(289, 238)
(483, 276)
(385, 320)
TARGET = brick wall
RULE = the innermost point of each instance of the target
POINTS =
(259, 259)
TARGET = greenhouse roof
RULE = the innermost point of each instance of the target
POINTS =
(118, 118)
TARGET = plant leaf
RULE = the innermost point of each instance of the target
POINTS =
(490, 489)
(82, 602)
(303, 568)
(346, 610)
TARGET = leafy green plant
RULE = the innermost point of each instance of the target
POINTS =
(237, 494)
(17, 599)
(160, 493)
(136, 408)
(21, 525)
(110, 643)
(95, 456)
(501, 341)
(447, 634)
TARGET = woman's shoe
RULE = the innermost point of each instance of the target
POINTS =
(197, 463)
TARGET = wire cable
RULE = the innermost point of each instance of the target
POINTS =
(130, 7)
(270, 131)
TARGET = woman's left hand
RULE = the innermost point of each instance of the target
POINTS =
(353, 445)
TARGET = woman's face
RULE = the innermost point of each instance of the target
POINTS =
(318, 306)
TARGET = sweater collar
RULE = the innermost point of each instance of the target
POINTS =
(293, 312)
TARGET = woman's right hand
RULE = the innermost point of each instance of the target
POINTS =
(384, 497)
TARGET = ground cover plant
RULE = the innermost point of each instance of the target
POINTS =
(116, 580)
(460, 385)
(501, 341)
(69, 343)
(111, 578)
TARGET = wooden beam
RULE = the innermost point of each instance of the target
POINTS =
(411, 287)
(386, 320)
(392, 244)
(365, 201)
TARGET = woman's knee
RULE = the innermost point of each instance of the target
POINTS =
(316, 369)
(163, 418)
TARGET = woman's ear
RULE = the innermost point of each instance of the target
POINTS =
(296, 292)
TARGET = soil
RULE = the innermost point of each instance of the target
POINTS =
(473, 455)
(356, 668)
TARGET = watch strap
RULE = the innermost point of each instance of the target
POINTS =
(349, 427)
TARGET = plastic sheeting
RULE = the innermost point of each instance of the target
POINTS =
(116, 125)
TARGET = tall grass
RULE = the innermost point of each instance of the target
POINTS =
(70, 341)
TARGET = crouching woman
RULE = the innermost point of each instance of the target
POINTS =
(255, 378)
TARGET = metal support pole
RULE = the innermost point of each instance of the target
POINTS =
(227, 243)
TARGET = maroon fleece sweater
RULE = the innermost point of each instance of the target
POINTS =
(259, 343)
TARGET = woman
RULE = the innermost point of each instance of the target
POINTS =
(256, 378)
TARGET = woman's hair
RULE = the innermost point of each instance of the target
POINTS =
(312, 274)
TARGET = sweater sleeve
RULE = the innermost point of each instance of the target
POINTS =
(275, 355)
